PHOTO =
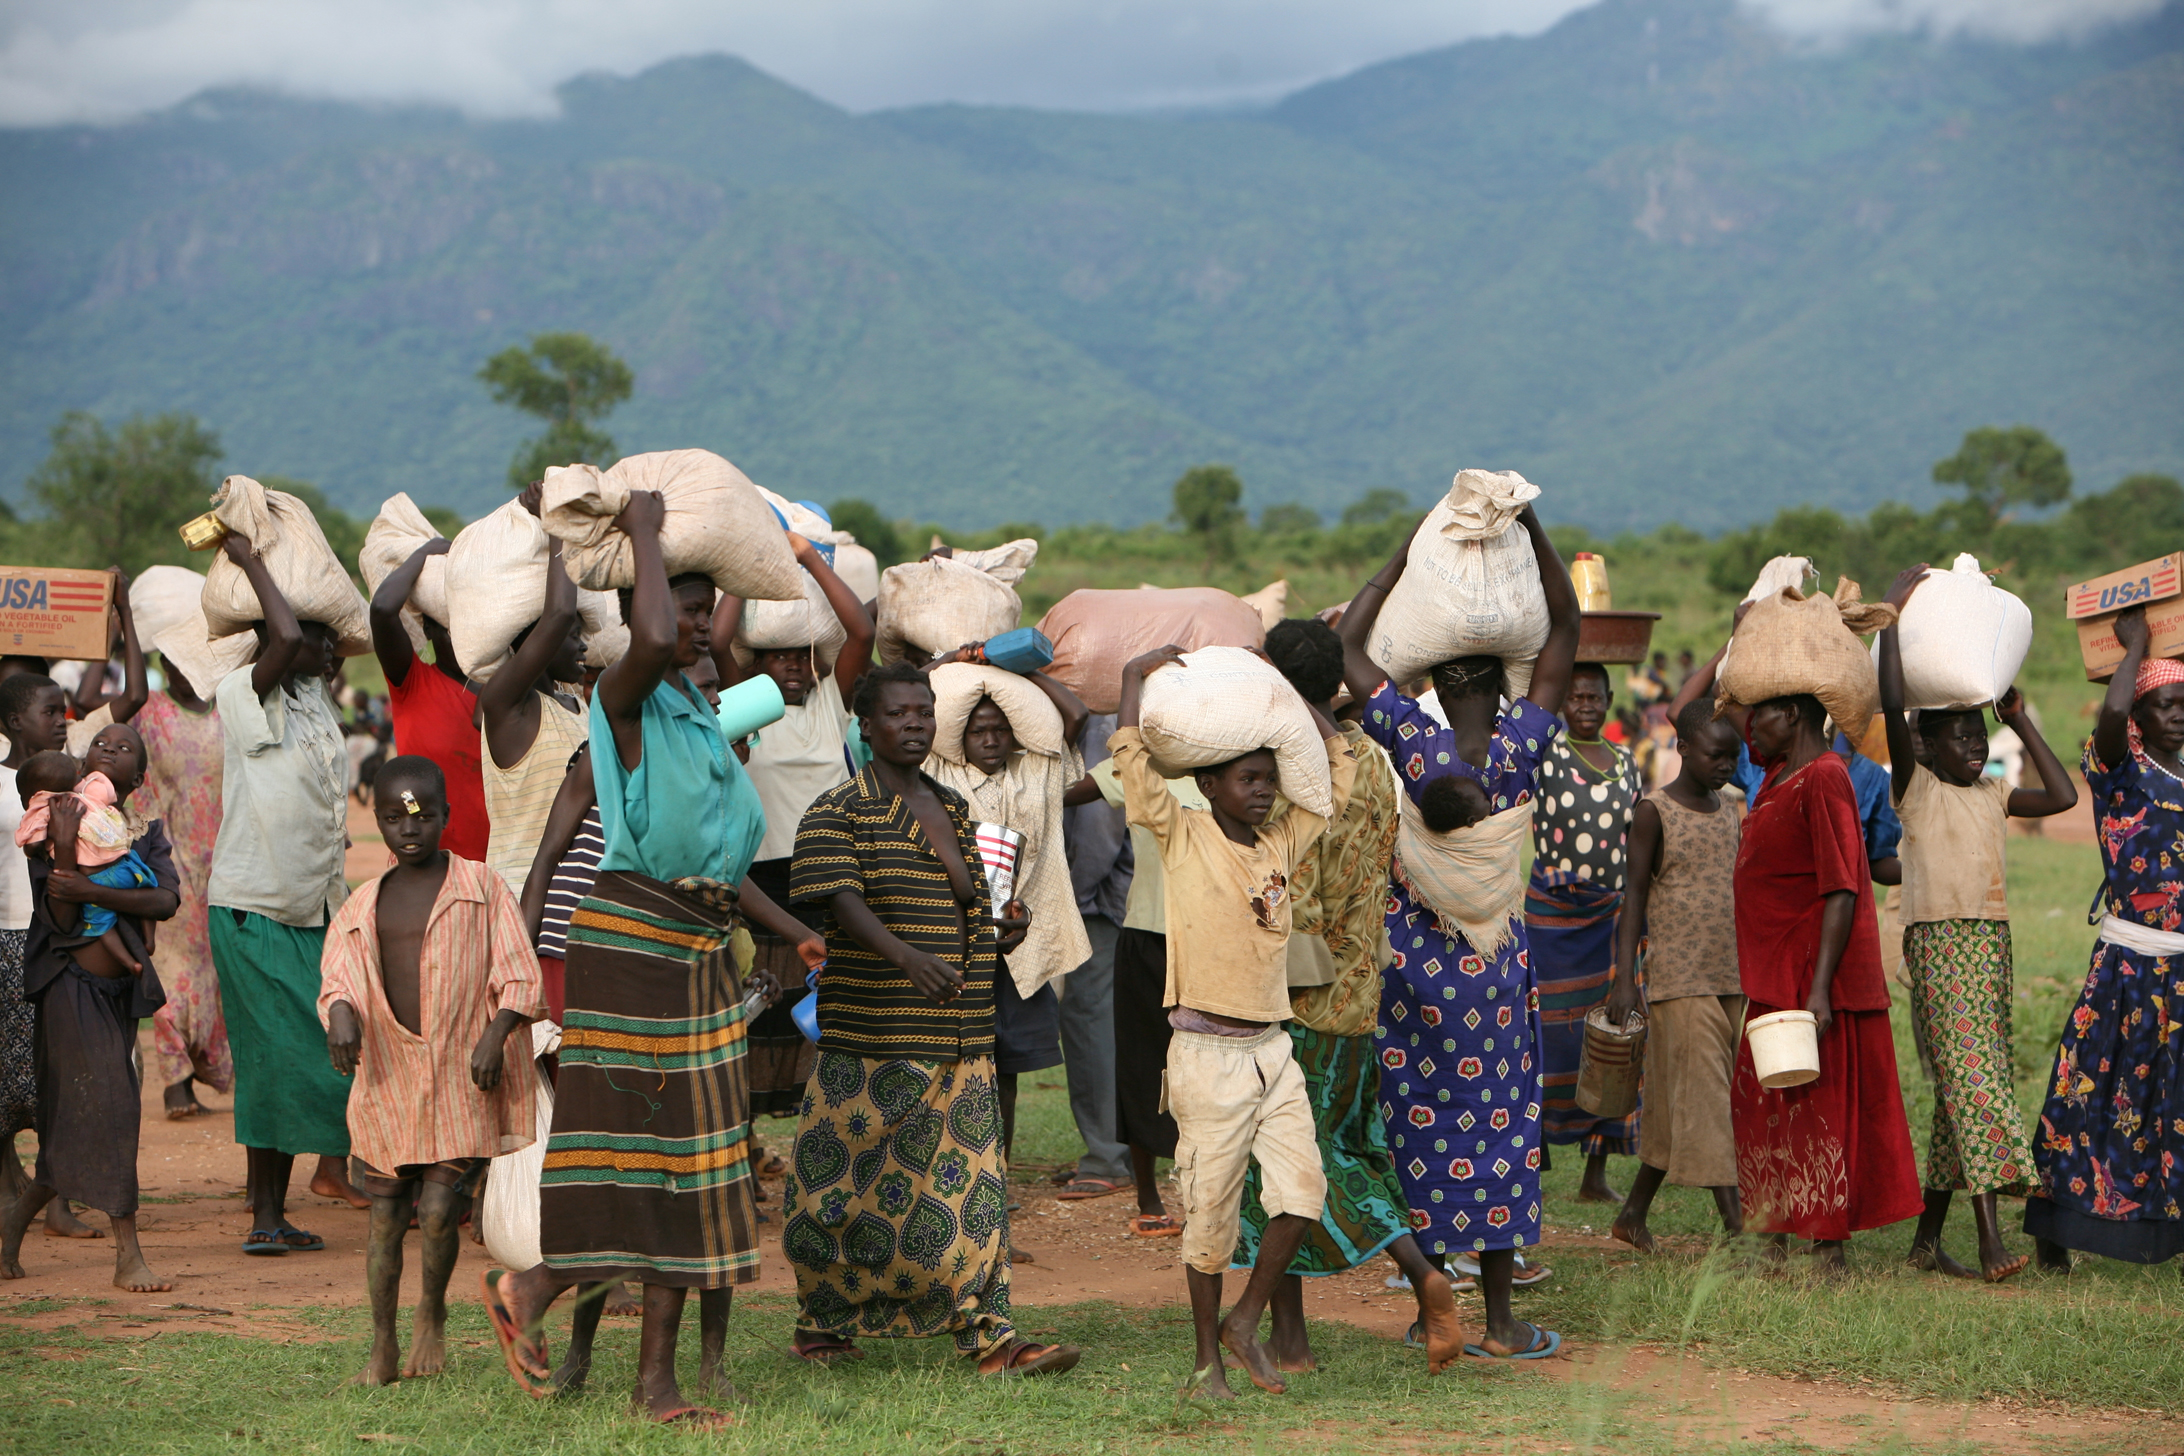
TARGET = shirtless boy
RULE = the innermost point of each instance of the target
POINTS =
(423, 1120)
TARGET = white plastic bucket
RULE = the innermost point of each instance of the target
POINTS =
(1785, 1048)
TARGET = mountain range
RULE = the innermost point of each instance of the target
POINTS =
(1663, 260)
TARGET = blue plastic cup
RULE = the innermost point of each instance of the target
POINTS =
(805, 1013)
(750, 705)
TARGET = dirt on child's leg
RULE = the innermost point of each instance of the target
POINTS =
(439, 1226)
(1207, 1376)
(383, 1281)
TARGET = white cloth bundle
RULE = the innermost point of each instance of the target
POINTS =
(1026, 796)
(1471, 586)
(1963, 639)
(288, 539)
(716, 523)
(1271, 602)
(496, 586)
(1221, 703)
(809, 621)
(168, 604)
(959, 686)
(395, 534)
(1472, 879)
(940, 604)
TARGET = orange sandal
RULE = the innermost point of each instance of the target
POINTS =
(1022, 1357)
(1156, 1226)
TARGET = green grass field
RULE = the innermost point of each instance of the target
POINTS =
(2106, 1338)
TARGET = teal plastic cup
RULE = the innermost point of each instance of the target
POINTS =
(750, 705)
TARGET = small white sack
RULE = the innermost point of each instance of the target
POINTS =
(395, 534)
(809, 621)
(939, 605)
(508, 1218)
(1963, 639)
(288, 539)
(959, 686)
(496, 576)
(1223, 703)
(1782, 571)
(716, 523)
(1471, 587)
(1271, 602)
(168, 604)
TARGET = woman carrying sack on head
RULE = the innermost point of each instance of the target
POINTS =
(1460, 1083)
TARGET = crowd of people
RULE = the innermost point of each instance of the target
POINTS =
(1354, 1033)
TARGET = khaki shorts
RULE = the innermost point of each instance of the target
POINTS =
(1234, 1099)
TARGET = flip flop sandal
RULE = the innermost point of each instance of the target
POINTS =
(1457, 1283)
(533, 1384)
(1026, 1359)
(828, 1354)
(1544, 1343)
(692, 1417)
(1080, 1188)
(265, 1243)
(281, 1241)
(1527, 1275)
(1156, 1226)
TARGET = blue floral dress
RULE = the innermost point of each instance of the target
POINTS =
(1460, 1076)
(2110, 1150)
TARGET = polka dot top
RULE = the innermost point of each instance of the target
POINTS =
(1582, 817)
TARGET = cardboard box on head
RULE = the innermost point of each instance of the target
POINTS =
(56, 611)
(2156, 585)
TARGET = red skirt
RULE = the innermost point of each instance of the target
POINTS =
(551, 980)
(1834, 1155)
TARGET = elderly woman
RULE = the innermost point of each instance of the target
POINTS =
(89, 1003)
(898, 1202)
(2110, 1151)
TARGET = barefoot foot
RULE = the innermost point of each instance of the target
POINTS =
(1934, 1260)
(2002, 1266)
(1251, 1357)
(428, 1349)
(331, 1182)
(1444, 1330)
(62, 1223)
(621, 1300)
(131, 1273)
(1633, 1231)
(379, 1366)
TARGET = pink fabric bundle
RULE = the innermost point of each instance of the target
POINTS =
(104, 836)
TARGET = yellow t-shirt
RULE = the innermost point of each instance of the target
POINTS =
(1954, 862)
(1227, 903)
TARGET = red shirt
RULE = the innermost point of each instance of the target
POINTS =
(436, 717)
(1801, 842)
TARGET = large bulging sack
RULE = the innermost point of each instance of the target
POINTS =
(1790, 643)
(858, 568)
(496, 585)
(287, 538)
(1471, 586)
(809, 621)
(1223, 703)
(1963, 639)
(168, 604)
(395, 534)
(958, 688)
(717, 524)
(940, 604)
(1096, 631)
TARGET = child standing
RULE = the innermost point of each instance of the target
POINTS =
(1956, 945)
(428, 971)
(1232, 1082)
(1682, 897)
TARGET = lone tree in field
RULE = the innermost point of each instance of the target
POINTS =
(2001, 468)
(571, 381)
(115, 497)
(1206, 507)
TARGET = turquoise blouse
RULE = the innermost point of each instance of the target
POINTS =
(688, 808)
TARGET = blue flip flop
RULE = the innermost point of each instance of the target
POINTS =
(1545, 1343)
(270, 1242)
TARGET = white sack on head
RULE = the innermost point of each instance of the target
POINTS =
(395, 534)
(716, 523)
(496, 575)
(1271, 602)
(1963, 639)
(810, 621)
(796, 516)
(606, 638)
(1222, 703)
(1790, 644)
(959, 686)
(858, 568)
(1782, 571)
(1471, 586)
(1006, 562)
(938, 605)
(168, 604)
(289, 540)
(1095, 632)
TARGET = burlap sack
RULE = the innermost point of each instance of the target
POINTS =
(717, 523)
(1471, 587)
(959, 686)
(1963, 639)
(1006, 562)
(1223, 703)
(168, 604)
(496, 585)
(1095, 632)
(809, 621)
(395, 534)
(288, 539)
(858, 568)
(1271, 602)
(1790, 643)
(939, 605)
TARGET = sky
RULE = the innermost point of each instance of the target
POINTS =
(108, 60)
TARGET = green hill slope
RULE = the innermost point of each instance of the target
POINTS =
(1661, 260)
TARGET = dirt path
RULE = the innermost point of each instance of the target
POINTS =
(194, 1222)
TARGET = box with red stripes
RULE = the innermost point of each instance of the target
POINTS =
(56, 611)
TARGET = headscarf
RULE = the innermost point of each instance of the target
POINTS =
(2156, 672)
